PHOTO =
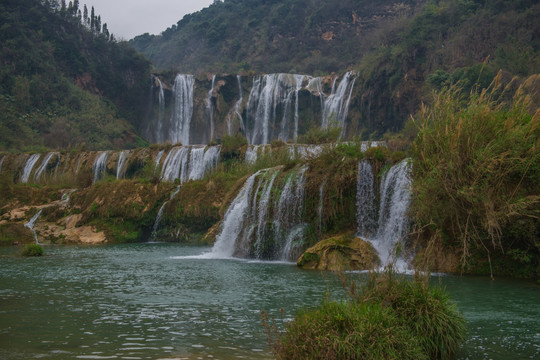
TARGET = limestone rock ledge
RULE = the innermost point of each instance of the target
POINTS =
(339, 253)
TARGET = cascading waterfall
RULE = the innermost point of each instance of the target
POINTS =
(158, 158)
(43, 166)
(288, 216)
(392, 222)
(233, 222)
(161, 99)
(100, 165)
(365, 200)
(271, 93)
(30, 224)
(252, 153)
(57, 166)
(160, 214)
(175, 164)
(196, 164)
(237, 110)
(211, 159)
(1, 162)
(298, 79)
(262, 209)
(210, 107)
(30, 163)
(189, 163)
(336, 106)
(264, 221)
(183, 109)
(120, 169)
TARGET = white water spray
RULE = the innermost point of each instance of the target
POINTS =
(32, 160)
(100, 165)
(336, 106)
(30, 224)
(43, 166)
(120, 168)
(183, 109)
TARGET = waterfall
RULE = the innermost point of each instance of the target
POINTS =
(183, 109)
(43, 166)
(365, 200)
(252, 154)
(261, 210)
(175, 164)
(210, 107)
(211, 158)
(236, 109)
(100, 165)
(58, 161)
(336, 106)
(30, 224)
(288, 215)
(122, 158)
(158, 159)
(160, 214)
(299, 79)
(265, 220)
(32, 160)
(159, 128)
(392, 217)
(196, 164)
(1, 162)
(66, 196)
(233, 222)
(269, 95)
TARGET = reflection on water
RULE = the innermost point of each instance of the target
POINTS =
(162, 301)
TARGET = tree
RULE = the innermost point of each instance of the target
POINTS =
(98, 24)
(85, 15)
(92, 19)
(105, 31)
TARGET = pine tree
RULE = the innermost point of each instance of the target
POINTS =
(63, 6)
(92, 19)
(105, 31)
(98, 24)
(85, 15)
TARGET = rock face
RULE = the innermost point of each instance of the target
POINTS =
(339, 253)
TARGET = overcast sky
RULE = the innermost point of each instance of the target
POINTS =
(129, 18)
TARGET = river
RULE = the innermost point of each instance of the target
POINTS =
(157, 301)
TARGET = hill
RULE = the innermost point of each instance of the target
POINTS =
(401, 50)
(65, 81)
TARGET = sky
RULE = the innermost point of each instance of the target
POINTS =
(129, 18)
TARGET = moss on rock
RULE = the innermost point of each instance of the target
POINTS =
(338, 253)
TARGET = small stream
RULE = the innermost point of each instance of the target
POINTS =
(161, 301)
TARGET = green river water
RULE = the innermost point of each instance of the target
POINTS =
(148, 301)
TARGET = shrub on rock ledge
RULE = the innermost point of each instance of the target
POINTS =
(32, 250)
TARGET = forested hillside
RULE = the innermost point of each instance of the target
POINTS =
(402, 50)
(65, 81)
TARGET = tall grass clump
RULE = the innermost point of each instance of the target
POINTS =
(386, 316)
(476, 175)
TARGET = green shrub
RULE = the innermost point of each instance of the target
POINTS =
(476, 165)
(32, 250)
(231, 146)
(390, 317)
(426, 310)
(319, 135)
(347, 330)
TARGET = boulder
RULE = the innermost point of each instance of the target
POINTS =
(338, 254)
